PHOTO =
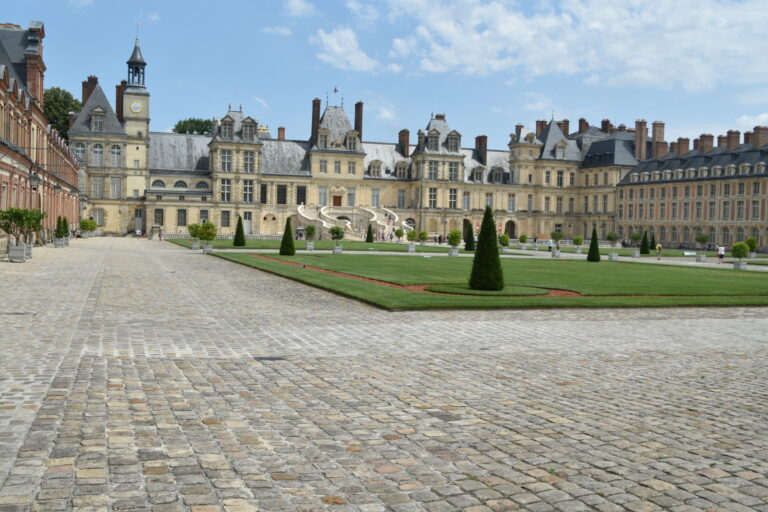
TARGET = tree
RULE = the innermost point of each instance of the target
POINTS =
(653, 242)
(65, 223)
(556, 236)
(454, 238)
(194, 126)
(486, 265)
(309, 231)
(88, 225)
(578, 240)
(206, 231)
(337, 233)
(740, 250)
(644, 248)
(423, 236)
(57, 231)
(239, 233)
(399, 233)
(504, 240)
(751, 243)
(12, 221)
(611, 237)
(469, 239)
(58, 104)
(702, 239)
(523, 239)
(594, 248)
(286, 246)
(412, 235)
(369, 235)
(193, 230)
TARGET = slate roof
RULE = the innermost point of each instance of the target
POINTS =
(335, 120)
(441, 126)
(97, 99)
(136, 57)
(237, 118)
(616, 149)
(285, 157)
(550, 138)
(13, 43)
(388, 154)
(178, 151)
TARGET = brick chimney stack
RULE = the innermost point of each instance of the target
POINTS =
(605, 125)
(540, 125)
(683, 145)
(583, 125)
(565, 126)
(657, 138)
(733, 138)
(315, 121)
(706, 142)
(760, 137)
(405, 143)
(695, 144)
(481, 147)
(622, 128)
(359, 119)
(722, 141)
(747, 137)
(281, 133)
(641, 134)
(519, 131)
(119, 91)
(88, 87)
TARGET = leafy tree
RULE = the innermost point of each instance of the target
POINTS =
(611, 237)
(309, 231)
(193, 229)
(469, 239)
(286, 246)
(88, 225)
(504, 240)
(239, 233)
(399, 233)
(369, 235)
(194, 126)
(556, 236)
(12, 221)
(594, 248)
(422, 236)
(486, 265)
(206, 231)
(58, 104)
(523, 238)
(337, 233)
(751, 243)
(412, 235)
(578, 240)
(454, 238)
(635, 237)
(644, 248)
(702, 238)
(740, 250)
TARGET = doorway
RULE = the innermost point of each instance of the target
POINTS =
(336, 200)
(248, 223)
(510, 229)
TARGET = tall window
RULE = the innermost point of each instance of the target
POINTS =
(79, 151)
(351, 197)
(467, 201)
(559, 205)
(181, 217)
(97, 187)
(226, 130)
(322, 141)
(511, 202)
(336, 167)
(740, 211)
(726, 210)
(375, 170)
(572, 179)
(324, 166)
(453, 143)
(547, 177)
(453, 171)
(97, 156)
(97, 123)
(489, 199)
(433, 197)
(322, 196)
(351, 167)
(226, 189)
(226, 160)
(115, 188)
(401, 198)
(546, 204)
(559, 178)
(432, 170)
(248, 159)
(301, 194)
(225, 219)
(282, 194)
(432, 142)
(571, 203)
(755, 210)
(115, 156)
(586, 205)
(698, 211)
(452, 198)
(375, 197)
(159, 216)
(351, 142)
(605, 203)
(530, 203)
(673, 213)
(203, 216)
(248, 191)
(662, 211)
(248, 131)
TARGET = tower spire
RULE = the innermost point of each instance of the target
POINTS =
(136, 64)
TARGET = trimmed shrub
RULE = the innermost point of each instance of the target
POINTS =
(556, 236)
(337, 233)
(454, 238)
(88, 225)
(702, 238)
(751, 243)
(193, 229)
(369, 235)
(239, 233)
(423, 236)
(644, 248)
(612, 237)
(523, 238)
(635, 237)
(412, 235)
(578, 241)
(309, 231)
(286, 245)
(469, 239)
(65, 225)
(653, 243)
(57, 231)
(206, 231)
(594, 248)
(504, 240)
(486, 266)
(740, 250)
(399, 233)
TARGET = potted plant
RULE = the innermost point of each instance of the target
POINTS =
(193, 232)
(523, 241)
(412, 235)
(740, 250)
(635, 237)
(207, 232)
(702, 240)
(309, 232)
(337, 233)
(88, 226)
(423, 236)
(556, 236)
(33, 223)
(58, 233)
(12, 222)
(752, 244)
(454, 239)
(578, 241)
(613, 238)
(504, 242)
(399, 234)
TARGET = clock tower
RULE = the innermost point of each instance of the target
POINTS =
(135, 98)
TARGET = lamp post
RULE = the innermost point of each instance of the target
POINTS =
(34, 183)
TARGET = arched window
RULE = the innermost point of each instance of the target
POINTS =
(740, 235)
(712, 236)
(79, 151)
(674, 234)
(97, 156)
(663, 234)
(686, 235)
(726, 237)
(180, 184)
(115, 160)
(201, 184)
(158, 184)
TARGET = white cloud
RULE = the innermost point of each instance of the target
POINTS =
(299, 8)
(261, 102)
(280, 31)
(538, 103)
(693, 44)
(340, 49)
(365, 12)
(152, 17)
(386, 114)
(80, 4)
(747, 122)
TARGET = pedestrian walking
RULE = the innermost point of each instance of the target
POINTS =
(160, 234)
(720, 254)
(658, 251)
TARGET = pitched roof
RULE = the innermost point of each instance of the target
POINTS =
(97, 100)
(441, 126)
(178, 151)
(237, 118)
(284, 157)
(612, 150)
(335, 120)
(136, 57)
(551, 138)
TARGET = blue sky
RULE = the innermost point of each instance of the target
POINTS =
(698, 65)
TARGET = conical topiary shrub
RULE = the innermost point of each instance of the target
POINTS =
(369, 235)
(486, 267)
(57, 231)
(286, 246)
(469, 239)
(644, 248)
(594, 248)
(653, 243)
(239, 233)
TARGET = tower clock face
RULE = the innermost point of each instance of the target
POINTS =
(136, 107)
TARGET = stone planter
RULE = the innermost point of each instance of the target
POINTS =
(422, 243)
(701, 258)
(739, 265)
(524, 247)
(66, 241)
(578, 249)
(504, 249)
(453, 251)
(27, 251)
(310, 246)
(59, 242)
(752, 255)
(195, 243)
(635, 253)
(555, 253)
(207, 248)
(613, 257)
(16, 253)
(411, 248)
(337, 249)
(535, 247)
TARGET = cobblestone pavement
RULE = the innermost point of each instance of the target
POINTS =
(137, 375)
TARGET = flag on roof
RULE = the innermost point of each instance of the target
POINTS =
(335, 90)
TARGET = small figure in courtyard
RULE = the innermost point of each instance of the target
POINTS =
(160, 234)
(720, 254)
(658, 251)
(549, 245)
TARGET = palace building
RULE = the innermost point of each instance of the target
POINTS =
(607, 178)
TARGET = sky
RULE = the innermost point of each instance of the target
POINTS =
(697, 65)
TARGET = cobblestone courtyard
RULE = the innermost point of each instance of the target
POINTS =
(137, 375)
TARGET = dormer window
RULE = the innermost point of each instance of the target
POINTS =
(97, 123)
(351, 142)
(322, 141)
(401, 170)
(477, 175)
(226, 130)
(432, 141)
(453, 143)
(248, 131)
(375, 170)
(498, 176)
(560, 151)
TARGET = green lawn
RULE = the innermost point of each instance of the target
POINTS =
(627, 251)
(605, 284)
(321, 245)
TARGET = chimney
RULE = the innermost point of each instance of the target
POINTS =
(622, 128)
(583, 125)
(405, 143)
(673, 148)
(119, 91)
(641, 135)
(733, 138)
(564, 125)
(315, 121)
(760, 137)
(747, 137)
(72, 117)
(519, 131)
(722, 141)
(359, 120)
(281, 133)
(481, 147)
(695, 144)
(88, 87)
(706, 142)
(657, 137)
(682, 145)
(540, 125)
(605, 125)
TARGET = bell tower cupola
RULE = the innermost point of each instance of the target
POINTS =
(136, 65)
